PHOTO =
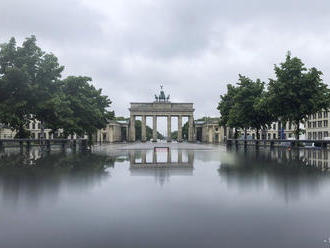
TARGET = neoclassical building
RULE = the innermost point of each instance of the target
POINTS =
(161, 107)
(207, 131)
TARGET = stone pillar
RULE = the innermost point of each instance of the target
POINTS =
(143, 129)
(154, 128)
(190, 129)
(132, 129)
(179, 128)
(169, 138)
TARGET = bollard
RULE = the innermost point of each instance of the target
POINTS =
(83, 145)
(74, 145)
(28, 144)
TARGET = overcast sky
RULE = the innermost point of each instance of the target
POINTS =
(193, 47)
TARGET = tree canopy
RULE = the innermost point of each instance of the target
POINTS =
(295, 94)
(31, 88)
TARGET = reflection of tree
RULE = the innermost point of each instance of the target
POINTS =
(23, 176)
(284, 171)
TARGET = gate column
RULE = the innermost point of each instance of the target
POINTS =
(190, 129)
(154, 128)
(179, 128)
(132, 129)
(169, 138)
(143, 129)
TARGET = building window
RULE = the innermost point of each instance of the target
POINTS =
(314, 135)
(319, 124)
(216, 129)
(314, 116)
(320, 114)
(325, 114)
(290, 125)
(269, 136)
(325, 134)
(319, 136)
(314, 123)
(33, 125)
(309, 124)
(290, 135)
(274, 126)
(39, 125)
(309, 134)
(325, 123)
(274, 135)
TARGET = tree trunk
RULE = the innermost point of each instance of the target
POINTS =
(21, 132)
(257, 134)
(90, 140)
(42, 127)
(297, 130)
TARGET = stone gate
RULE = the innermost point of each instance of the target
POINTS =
(161, 107)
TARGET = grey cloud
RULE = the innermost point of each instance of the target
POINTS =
(194, 47)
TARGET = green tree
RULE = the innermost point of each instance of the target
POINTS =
(29, 79)
(31, 88)
(225, 105)
(89, 107)
(297, 92)
(149, 132)
(249, 109)
(185, 129)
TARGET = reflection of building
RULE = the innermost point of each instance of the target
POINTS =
(161, 170)
(317, 158)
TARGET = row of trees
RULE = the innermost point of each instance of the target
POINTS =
(295, 94)
(31, 87)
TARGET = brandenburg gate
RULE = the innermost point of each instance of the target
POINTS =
(161, 107)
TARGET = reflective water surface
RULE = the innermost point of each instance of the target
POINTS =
(165, 198)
